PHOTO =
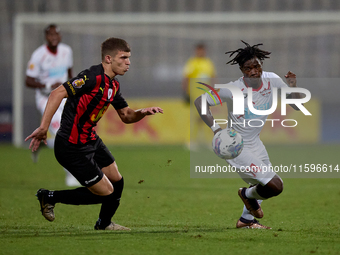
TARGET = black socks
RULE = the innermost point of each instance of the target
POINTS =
(110, 205)
(83, 196)
(79, 196)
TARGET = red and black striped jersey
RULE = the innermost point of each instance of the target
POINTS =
(89, 96)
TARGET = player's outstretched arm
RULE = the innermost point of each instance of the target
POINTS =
(128, 115)
(40, 134)
(208, 118)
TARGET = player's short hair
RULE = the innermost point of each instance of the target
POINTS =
(112, 45)
(47, 29)
(247, 53)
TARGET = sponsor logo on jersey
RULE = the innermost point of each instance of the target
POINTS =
(31, 66)
(78, 83)
(71, 88)
(96, 117)
(109, 94)
(266, 91)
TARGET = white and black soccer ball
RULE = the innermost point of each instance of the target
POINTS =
(227, 143)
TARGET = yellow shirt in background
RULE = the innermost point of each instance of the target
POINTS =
(198, 68)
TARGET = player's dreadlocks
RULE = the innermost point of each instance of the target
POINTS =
(249, 52)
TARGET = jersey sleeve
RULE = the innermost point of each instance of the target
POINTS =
(119, 101)
(84, 82)
(33, 67)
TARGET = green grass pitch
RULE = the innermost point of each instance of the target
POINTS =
(169, 212)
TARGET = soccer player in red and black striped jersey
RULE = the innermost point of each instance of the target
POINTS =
(77, 146)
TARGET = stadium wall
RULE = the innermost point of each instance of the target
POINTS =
(172, 127)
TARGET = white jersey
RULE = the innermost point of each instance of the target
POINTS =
(249, 125)
(253, 159)
(50, 68)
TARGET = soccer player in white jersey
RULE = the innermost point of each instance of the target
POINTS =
(254, 157)
(50, 65)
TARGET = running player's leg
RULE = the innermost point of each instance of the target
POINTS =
(269, 183)
(248, 221)
(95, 168)
(109, 206)
(271, 186)
(257, 173)
(246, 164)
(254, 168)
(79, 160)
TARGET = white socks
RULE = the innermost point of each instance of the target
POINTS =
(252, 193)
(246, 214)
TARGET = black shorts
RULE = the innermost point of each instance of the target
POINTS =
(84, 162)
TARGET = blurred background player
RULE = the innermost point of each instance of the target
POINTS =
(197, 68)
(254, 156)
(50, 65)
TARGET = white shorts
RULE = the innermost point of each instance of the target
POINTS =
(253, 164)
(41, 101)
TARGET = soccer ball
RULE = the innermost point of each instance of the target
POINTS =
(227, 143)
